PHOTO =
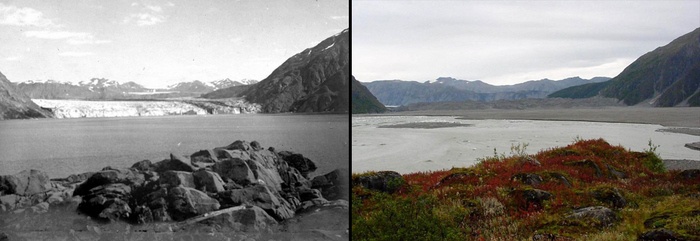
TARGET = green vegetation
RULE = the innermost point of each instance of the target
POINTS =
(363, 101)
(526, 197)
(581, 91)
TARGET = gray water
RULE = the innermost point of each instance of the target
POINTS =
(62, 147)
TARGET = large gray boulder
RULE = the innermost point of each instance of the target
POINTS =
(26, 182)
(261, 196)
(384, 181)
(598, 216)
(124, 176)
(333, 185)
(184, 202)
(204, 158)
(109, 201)
(177, 178)
(207, 181)
(236, 170)
(173, 164)
(235, 219)
(298, 161)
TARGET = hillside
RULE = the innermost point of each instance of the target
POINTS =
(315, 80)
(16, 105)
(362, 100)
(666, 76)
(396, 92)
(588, 190)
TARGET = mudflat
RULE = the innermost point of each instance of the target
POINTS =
(668, 117)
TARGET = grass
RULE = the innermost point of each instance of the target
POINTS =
(485, 202)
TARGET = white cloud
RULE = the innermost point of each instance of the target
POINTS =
(11, 15)
(152, 15)
(12, 58)
(339, 17)
(144, 19)
(154, 8)
(75, 38)
(75, 54)
(134, 4)
(170, 4)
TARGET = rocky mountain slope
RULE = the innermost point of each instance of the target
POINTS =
(666, 76)
(315, 80)
(362, 100)
(396, 92)
(16, 105)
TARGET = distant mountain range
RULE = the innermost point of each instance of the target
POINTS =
(16, 105)
(106, 89)
(667, 76)
(314, 80)
(362, 100)
(397, 92)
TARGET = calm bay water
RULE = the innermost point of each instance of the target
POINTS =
(62, 147)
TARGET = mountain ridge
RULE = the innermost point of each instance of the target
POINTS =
(397, 92)
(16, 105)
(666, 76)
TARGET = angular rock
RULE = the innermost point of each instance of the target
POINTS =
(143, 166)
(203, 158)
(75, 178)
(231, 154)
(109, 201)
(125, 176)
(531, 198)
(333, 185)
(589, 164)
(184, 202)
(559, 178)
(265, 167)
(598, 216)
(659, 235)
(614, 173)
(240, 219)
(384, 181)
(26, 182)
(292, 180)
(40, 208)
(528, 179)
(236, 170)
(8, 202)
(309, 194)
(238, 145)
(256, 146)
(177, 178)
(207, 181)
(611, 196)
(260, 196)
(689, 174)
(298, 161)
(173, 164)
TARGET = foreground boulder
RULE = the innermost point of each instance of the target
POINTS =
(177, 178)
(235, 219)
(333, 185)
(207, 181)
(298, 161)
(384, 181)
(260, 196)
(597, 216)
(185, 202)
(27, 182)
(124, 176)
(173, 164)
(236, 170)
(109, 201)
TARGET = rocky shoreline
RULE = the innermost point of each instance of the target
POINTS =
(226, 191)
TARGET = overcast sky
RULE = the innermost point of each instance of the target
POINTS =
(157, 43)
(507, 42)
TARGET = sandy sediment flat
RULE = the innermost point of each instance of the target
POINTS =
(668, 117)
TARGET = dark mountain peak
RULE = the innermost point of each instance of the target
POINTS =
(16, 105)
(314, 80)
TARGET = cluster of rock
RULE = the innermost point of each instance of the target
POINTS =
(239, 187)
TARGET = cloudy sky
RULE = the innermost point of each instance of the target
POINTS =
(157, 43)
(507, 42)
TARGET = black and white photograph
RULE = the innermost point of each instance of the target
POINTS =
(174, 120)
